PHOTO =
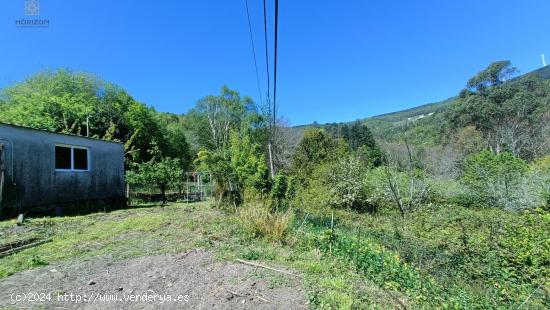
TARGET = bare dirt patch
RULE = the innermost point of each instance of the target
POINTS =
(193, 280)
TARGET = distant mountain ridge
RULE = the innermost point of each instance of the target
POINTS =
(387, 120)
(543, 72)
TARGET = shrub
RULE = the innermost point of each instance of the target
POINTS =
(524, 248)
(371, 156)
(313, 198)
(159, 172)
(377, 188)
(315, 148)
(338, 184)
(345, 184)
(471, 258)
(412, 188)
(37, 261)
(445, 190)
(237, 171)
(278, 191)
(538, 177)
(495, 179)
(259, 221)
(283, 191)
(291, 187)
(248, 164)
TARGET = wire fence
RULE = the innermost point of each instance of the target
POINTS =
(195, 186)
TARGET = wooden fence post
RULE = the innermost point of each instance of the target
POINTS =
(128, 193)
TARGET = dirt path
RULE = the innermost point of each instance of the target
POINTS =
(184, 281)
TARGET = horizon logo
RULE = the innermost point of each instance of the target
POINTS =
(32, 7)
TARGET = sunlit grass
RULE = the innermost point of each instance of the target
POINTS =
(175, 228)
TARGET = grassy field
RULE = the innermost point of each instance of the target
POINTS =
(363, 262)
(174, 228)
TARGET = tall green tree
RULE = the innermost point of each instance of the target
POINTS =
(159, 171)
(215, 117)
(239, 168)
(231, 134)
(177, 135)
(511, 115)
(495, 74)
(75, 102)
(360, 139)
(58, 101)
(315, 148)
(359, 135)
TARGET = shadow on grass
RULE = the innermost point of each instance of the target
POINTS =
(85, 208)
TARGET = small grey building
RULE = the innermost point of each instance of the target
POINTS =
(40, 170)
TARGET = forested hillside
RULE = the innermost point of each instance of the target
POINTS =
(508, 115)
(387, 126)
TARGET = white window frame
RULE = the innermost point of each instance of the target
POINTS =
(72, 147)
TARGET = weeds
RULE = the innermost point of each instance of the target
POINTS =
(260, 221)
(494, 260)
(36, 261)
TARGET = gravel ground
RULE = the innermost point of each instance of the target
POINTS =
(193, 280)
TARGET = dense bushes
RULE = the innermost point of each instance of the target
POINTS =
(444, 256)
(75, 102)
(315, 148)
(494, 179)
(492, 250)
(475, 239)
(283, 190)
(237, 170)
(505, 181)
(487, 180)
(460, 226)
(539, 176)
(389, 186)
(337, 184)
(162, 172)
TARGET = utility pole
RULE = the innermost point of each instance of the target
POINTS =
(270, 139)
(271, 160)
(87, 126)
(274, 129)
(275, 64)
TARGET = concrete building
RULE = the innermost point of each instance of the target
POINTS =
(41, 170)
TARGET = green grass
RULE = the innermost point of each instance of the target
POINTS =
(122, 234)
(331, 283)
(371, 262)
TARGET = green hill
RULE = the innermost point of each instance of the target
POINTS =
(543, 72)
(382, 125)
(426, 109)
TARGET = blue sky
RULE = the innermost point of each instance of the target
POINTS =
(338, 60)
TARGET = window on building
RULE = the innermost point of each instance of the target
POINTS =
(62, 157)
(71, 158)
(80, 159)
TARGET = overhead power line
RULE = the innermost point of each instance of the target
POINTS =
(275, 63)
(266, 57)
(253, 50)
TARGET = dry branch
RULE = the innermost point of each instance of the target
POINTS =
(266, 267)
(26, 246)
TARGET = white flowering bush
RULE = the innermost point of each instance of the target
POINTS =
(345, 183)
